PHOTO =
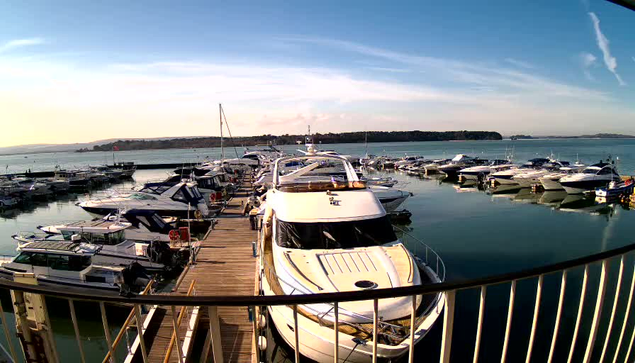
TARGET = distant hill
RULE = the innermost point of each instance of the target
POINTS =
(329, 138)
(595, 136)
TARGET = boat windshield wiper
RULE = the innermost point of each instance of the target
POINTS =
(330, 237)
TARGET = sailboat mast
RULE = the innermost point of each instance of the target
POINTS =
(220, 117)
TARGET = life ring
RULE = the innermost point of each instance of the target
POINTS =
(174, 235)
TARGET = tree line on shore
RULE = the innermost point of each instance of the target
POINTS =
(327, 138)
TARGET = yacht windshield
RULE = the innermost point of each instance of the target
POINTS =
(364, 233)
(141, 196)
(591, 170)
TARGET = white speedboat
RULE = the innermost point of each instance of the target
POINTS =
(389, 197)
(178, 200)
(592, 177)
(140, 225)
(481, 171)
(506, 177)
(459, 162)
(332, 235)
(551, 181)
(69, 264)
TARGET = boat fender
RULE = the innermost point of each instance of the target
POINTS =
(262, 321)
(262, 343)
(267, 223)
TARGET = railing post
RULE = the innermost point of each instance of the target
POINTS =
(142, 341)
(214, 331)
(534, 322)
(177, 341)
(556, 327)
(479, 323)
(626, 313)
(448, 324)
(413, 317)
(597, 313)
(375, 328)
(579, 317)
(5, 327)
(510, 315)
(336, 329)
(78, 338)
(618, 287)
(296, 330)
(104, 321)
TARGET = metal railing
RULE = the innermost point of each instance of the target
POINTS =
(421, 251)
(605, 335)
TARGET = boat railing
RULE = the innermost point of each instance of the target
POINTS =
(421, 251)
(321, 316)
(574, 310)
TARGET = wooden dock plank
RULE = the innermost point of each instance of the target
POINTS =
(225, 266)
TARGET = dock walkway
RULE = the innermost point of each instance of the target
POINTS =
(224, 266)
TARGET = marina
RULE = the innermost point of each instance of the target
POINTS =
(227, 261)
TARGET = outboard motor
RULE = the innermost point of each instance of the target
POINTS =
(133, 278)
(160, 252)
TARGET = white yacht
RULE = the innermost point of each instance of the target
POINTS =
(459, 162)
(506, 177)
(178, 200)
(592, 177)
(390, 198)
(551, 181)
(481, 171)
(140, 225)
(322, 234)
(69, 264)
(114, 248)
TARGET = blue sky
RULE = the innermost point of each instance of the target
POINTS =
(107, 69)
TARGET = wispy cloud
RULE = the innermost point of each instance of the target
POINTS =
(388, 69)
(19, 43)
(587, 60)
(519, 63)
(466, 75)
(603, 44)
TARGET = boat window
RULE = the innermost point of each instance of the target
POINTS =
(78, 263)
(67, 235)
(141, 196)
(58, 262)
(590, 171)
(38, 259)
(605, 171)
(180, 196)
(113, 238)
(158, 221)
(364, 233)
(24, 257)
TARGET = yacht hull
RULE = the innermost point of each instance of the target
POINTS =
(551, 184)
(579, 187)
(317, 341)
(102, 211)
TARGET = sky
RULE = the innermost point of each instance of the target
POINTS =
(79, 71)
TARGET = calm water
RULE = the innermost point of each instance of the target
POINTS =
(475, 233)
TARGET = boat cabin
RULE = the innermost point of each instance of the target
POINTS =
(186, 193)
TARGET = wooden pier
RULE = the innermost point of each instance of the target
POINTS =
(225, 265)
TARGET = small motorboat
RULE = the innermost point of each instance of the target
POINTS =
(616, 189)
(65, 264)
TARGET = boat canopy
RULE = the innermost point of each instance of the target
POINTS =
(150, 219)
(330, 235)
(325, 206)
(181, 192)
